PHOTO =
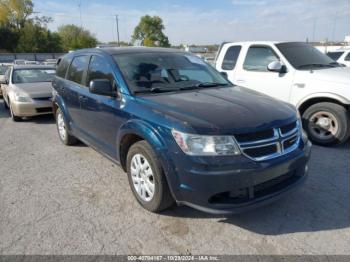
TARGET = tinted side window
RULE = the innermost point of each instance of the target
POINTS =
(231, 57)
(77, 68)
(62, 67)
(99, 69)
(347, 58)
(258, 57)
(335, 55)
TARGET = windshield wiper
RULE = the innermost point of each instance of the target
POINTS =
(211, 84)
(315, 65)
(155, 90)
(201, 85)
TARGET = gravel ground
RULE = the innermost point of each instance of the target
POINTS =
(70, 200)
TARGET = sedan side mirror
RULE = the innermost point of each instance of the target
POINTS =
(276, 66)
(102, 87)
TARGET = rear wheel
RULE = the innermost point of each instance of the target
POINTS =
(63, 133)
(327, 123)
(147, 179)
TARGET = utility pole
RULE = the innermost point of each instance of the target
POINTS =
(314, 30)
(334, 26)
(117, 23)
(81, 21)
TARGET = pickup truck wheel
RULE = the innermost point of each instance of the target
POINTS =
(63, 133)
(13, 116)
(147, 179)
(327, 123)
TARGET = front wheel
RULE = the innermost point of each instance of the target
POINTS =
(327, 123)
(147, 179)
(13, 116)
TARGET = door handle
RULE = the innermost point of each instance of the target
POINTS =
(299, 85)
(240, 80)
(82, 98)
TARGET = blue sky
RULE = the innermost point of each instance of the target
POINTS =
(208, 21)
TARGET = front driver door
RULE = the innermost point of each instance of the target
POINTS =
(101, 115)
(253, 73)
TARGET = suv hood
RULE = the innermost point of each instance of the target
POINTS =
(35, 90)
(339, 75)
(221, 110)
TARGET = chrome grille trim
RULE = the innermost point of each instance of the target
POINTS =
(278, 139)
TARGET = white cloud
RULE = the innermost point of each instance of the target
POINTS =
(248, 20)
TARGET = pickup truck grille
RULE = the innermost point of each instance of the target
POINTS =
(271, 143)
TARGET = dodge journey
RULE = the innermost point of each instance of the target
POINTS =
(180, 130)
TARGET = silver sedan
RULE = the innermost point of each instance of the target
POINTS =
(27, 90)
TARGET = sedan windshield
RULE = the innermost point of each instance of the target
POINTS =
(164, 72)
(3, 70)
(33, 75)
(304, 56)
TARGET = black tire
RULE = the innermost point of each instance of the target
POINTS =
(5, 104)
(342, 117)
(162, 198)
(13, 116)
(68, 140)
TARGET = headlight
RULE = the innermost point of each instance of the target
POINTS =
(198, 145)
(20, 97)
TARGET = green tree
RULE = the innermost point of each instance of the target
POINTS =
(14, 13)
(74, 37)
(35, 38)
(149, 32)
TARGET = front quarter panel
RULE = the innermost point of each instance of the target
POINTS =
(305, 88)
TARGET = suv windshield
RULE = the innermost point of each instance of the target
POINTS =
(304, 56)
(164, 72)
(33, 75)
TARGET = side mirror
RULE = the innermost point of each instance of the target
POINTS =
(224, 74)
(276, 66)
(102, 87)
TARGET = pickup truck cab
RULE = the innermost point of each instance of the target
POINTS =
(179, 129)
(296, 73)
(342, 56)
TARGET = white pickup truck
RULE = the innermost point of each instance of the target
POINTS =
(296, 73)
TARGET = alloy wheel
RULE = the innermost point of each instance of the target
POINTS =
(142, 177)
(61, 126)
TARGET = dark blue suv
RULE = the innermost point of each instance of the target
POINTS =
(181, 131)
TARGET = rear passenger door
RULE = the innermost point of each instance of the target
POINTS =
(229, 61)
(101, 116)
(72, 88)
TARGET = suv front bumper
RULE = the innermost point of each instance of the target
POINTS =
(243, 186)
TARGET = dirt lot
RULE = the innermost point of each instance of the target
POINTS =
(71, 200)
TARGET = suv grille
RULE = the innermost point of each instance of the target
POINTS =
(270, 143)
